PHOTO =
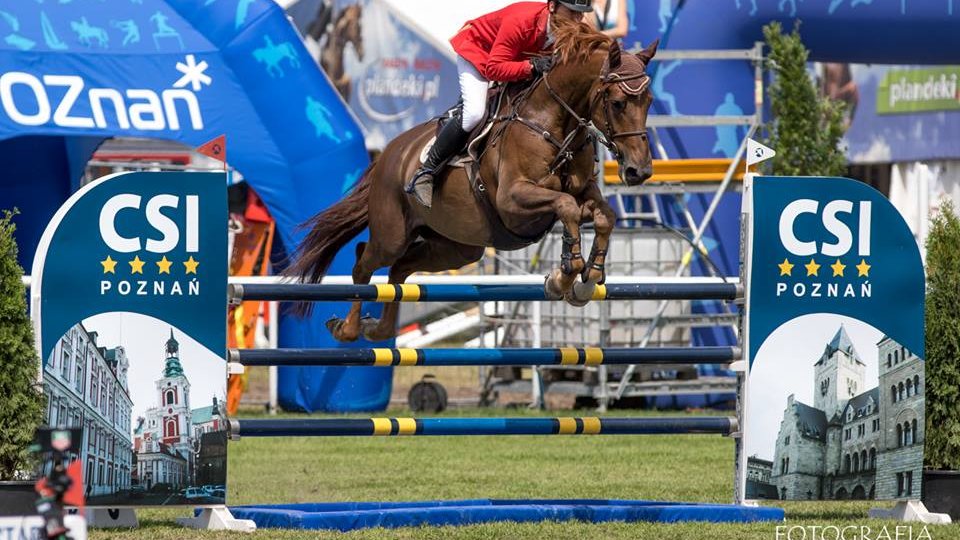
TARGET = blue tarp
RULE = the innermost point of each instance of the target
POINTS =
(352, 516)
(76, 72)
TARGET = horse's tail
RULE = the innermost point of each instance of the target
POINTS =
(330, 230)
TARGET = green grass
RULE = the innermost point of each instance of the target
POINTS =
(682, 468)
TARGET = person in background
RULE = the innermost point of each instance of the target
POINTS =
(610, 17)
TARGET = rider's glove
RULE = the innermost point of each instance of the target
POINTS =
(541, 65)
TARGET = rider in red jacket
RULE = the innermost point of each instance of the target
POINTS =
(503, 46)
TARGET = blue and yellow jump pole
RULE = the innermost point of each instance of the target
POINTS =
(311, 292)
(589, 356)
(376, 427)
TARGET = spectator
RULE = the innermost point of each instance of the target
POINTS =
(610, 17)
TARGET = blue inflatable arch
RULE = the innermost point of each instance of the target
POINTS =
(75, 74)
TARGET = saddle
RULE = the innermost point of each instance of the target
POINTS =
(476, 142)
(469, 160)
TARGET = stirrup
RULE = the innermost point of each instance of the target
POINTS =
(420, 173)
(421, 189)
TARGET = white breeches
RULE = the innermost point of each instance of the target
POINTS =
(473, 90)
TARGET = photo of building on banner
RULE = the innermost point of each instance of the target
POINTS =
(836, 388)
(151, 407)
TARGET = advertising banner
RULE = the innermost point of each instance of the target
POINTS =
(130, 314)
(896, 113)
(392, 75)
(835, 343)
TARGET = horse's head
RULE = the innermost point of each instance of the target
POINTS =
(348, 28)
(619, 111)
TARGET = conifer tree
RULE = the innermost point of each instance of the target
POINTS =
(942, 394)
(806, 127)
(21, 401)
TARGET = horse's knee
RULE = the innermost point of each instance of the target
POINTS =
(604, 221)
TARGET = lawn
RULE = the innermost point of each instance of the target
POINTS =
(690, 467)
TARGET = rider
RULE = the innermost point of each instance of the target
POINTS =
(503, 46)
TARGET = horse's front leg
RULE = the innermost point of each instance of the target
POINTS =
(604, 221)
(560, 282)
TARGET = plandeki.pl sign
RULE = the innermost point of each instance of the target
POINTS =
(919, 90)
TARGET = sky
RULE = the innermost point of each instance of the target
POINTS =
(784, 366)
(144, 339)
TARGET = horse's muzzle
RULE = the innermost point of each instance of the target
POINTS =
(634, 176)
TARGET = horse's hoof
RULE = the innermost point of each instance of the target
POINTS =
(551, 286)
(336, 327)
(334, 324)
(580, 294)
(368, 329)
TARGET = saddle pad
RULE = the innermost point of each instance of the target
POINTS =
(464, 157)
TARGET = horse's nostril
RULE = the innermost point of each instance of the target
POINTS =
(631, 172)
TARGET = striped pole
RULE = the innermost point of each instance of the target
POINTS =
(484, 357)
(311, 292)
(375, 427)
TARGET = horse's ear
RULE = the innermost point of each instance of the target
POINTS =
(614, 58)
(647, 54)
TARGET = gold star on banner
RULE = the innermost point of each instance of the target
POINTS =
(109, 265)
(838, 268)
(164, 265)
(863, 269)
(812, 268)
(136, 265)
(785, 268)
(191, 265)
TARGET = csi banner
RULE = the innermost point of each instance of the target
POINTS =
(834, 336)
(129, 307)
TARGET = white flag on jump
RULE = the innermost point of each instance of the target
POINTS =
(757, 152)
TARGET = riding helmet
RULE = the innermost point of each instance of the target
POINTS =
(582, 6)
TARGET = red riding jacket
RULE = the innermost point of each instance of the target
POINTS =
(500, 44)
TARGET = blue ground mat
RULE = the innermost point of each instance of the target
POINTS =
(360, 515)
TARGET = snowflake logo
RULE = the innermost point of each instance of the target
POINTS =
(193, 74)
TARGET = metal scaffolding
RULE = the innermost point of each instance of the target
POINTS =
(634, 251)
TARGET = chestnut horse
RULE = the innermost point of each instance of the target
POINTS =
(537, 167)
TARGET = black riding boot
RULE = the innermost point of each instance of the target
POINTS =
(450, 140)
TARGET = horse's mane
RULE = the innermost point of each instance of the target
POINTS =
(576, 41)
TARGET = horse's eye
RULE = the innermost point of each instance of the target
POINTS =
(619, 106)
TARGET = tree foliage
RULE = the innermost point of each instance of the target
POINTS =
(21, 402)
(943, 341)
(806, 127)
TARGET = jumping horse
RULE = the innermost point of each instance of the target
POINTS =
(536, 167)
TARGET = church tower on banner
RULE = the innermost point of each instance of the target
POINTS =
(164, 439)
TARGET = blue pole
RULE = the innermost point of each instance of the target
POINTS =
(370, 427)
(484, 357)
(305, 292)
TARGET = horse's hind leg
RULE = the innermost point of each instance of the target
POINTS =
(348, 329)
(435, 254)
(389, 239)
(370, 257)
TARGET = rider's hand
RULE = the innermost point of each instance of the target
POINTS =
(541, 65)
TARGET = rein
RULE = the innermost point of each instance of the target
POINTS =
(565, 152)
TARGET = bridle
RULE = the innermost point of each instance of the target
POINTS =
(608, 137)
